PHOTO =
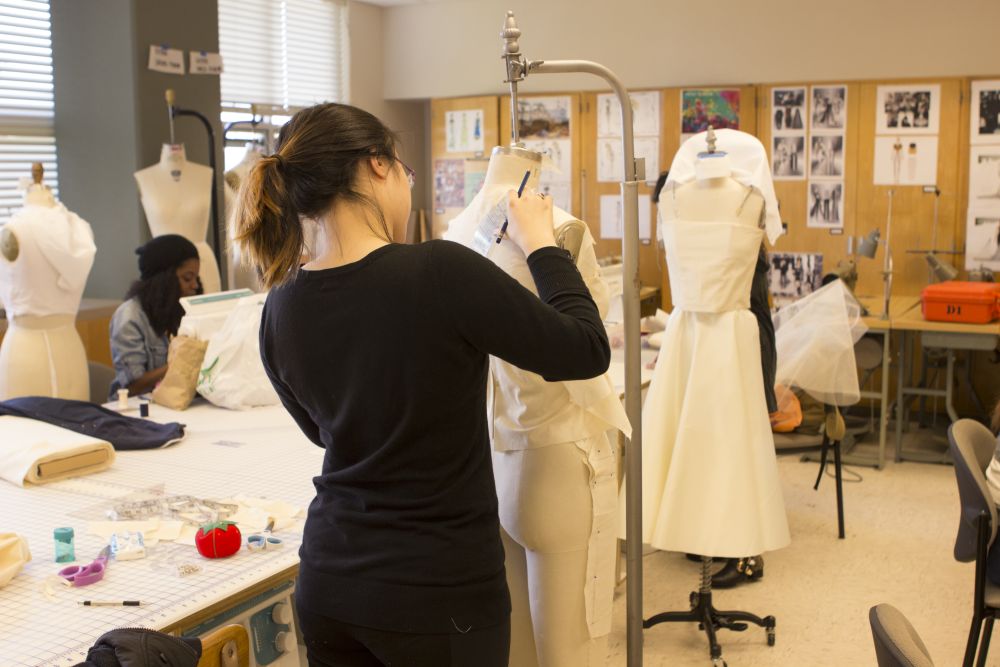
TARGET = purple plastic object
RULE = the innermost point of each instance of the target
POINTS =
(84, 575)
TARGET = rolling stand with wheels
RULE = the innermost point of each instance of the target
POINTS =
(711, 619)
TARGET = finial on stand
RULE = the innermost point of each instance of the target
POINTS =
(510, 34)
(37, 172)
(710, 139)
(516, 67)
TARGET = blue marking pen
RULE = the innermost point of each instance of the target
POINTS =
(520, 190)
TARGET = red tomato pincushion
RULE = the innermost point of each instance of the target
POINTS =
(218, 540)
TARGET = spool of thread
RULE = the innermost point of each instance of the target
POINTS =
(65, 553)
(123, 399)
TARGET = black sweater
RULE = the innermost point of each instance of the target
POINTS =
(383, 363)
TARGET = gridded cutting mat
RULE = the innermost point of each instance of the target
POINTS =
(258, 453)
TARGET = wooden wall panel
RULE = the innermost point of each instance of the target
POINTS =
(474, 161)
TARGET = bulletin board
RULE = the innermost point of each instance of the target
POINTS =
(460, 152)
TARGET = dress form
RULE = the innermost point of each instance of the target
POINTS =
(240, 276)
(553, 465)
(41, 284)
(177, 197)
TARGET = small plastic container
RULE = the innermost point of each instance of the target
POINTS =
(65, 553)
(961, 301)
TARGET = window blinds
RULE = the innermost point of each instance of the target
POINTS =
(26, 98)
(283, 53)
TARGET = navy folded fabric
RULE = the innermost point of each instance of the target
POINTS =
(124, 433)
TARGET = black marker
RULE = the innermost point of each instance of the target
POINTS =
(110, 603)
(524, 181)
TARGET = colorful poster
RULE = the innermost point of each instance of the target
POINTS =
(702, 108)
(464, 131)
(544, 117)
(449, 183)
(911, 108)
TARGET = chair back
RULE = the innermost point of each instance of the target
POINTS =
(897, 643)
(101, 377)
(972, 446)
(228, 646)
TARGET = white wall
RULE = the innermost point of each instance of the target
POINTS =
(410, 120)
(451, 49)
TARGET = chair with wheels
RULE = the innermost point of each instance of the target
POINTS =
(897, 643)
(972, 445)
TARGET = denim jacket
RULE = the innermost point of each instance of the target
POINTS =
(135, 347)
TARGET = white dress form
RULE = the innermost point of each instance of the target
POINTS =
(554, 469)
(710, 483)
(240, 275)
(48, 255)
(177, 198)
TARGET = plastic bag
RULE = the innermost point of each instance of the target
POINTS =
(232, 375)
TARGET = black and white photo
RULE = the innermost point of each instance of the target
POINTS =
(826, 156)
(908, 109)
(985, 107)
(788, 109)
(793, 275)
(788, 158)
(826, 205)
(829, 108)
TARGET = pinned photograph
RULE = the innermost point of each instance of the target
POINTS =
(449, 183)
(701, 108)
(544, 117)
(793, 275)
(985, 127)
(829, 108)
(908, 109)
(826, 205)
(906, 160)
(788, 158)
(984, 176)
(982, 242)
(826, 156)
(788, 106)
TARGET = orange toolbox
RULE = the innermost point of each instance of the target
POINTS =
(961, 301)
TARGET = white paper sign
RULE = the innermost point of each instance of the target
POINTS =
(915, 163)
(205, 63)
(613, 223)
(164, 59)
(464, 131)
(611, 164)
(645, 114)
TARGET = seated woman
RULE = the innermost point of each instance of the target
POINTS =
(142, 326)
(993, 483)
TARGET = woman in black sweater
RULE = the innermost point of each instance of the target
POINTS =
(379, 351)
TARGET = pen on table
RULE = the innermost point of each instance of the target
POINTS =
(110, 603)
(524, 181)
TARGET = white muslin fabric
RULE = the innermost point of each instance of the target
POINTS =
(749, 164)
(710, 478)
(28, 443)
(526, 412)
(815, 339)
(56, 253)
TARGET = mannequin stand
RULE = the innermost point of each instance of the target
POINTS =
(711, 619)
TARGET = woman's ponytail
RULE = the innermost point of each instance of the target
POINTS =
(267, 225)
(316, 164)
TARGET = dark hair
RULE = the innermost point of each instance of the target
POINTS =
(316, 164)
(160, 298)
(658, 188)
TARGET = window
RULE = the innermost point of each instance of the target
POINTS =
(282, 53)
(26, 99)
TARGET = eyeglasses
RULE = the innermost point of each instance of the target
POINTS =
(411, 176)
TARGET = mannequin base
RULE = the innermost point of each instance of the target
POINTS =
(711, 619)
